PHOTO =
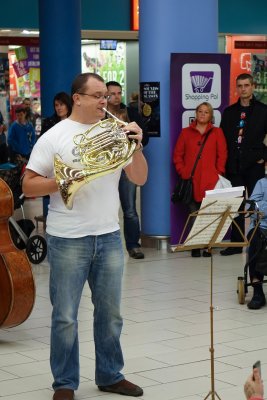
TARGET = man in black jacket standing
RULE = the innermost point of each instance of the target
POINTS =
(245, 126)
(127, 189)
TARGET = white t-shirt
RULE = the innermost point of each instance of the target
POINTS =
(96, 204)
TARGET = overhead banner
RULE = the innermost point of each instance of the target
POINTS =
(24, 70)
(195, 78)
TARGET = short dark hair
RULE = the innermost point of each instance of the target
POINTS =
(242, 77)
(113, 83)
(81, 80)
(64, 98)
(20, 109)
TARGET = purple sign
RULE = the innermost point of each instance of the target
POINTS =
(195, 78)
(21, 68)
(28, 57)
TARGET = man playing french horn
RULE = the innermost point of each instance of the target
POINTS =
(83, 234)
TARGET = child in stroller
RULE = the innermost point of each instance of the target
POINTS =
(21, 230)
(257, 251)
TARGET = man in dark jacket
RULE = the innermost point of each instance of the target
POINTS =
(127, 189)
(245, 127)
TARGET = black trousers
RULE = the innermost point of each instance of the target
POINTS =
(247, 178)
(252, 250)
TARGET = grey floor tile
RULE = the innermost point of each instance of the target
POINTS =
(166, 333)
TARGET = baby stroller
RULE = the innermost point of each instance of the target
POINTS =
(259, 256)
(20, 231)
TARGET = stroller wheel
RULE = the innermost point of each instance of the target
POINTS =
(36, 249)
(241, 290)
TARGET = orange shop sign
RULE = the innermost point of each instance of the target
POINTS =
(241, 49)
(135, 15)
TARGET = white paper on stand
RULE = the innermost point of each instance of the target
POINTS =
(227, 192)
(210, 213)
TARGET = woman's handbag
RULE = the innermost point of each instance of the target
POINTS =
(183, 191)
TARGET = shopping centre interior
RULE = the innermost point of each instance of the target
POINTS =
(166, 334)
(167, 297)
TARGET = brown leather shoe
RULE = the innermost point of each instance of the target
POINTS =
(63, 394)
(123, 387)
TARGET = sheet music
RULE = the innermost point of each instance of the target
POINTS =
(226, 192)
(209, 217)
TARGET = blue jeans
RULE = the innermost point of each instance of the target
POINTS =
(131, 226)
(98, 260)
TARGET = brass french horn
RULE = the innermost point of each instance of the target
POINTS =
(100, 154)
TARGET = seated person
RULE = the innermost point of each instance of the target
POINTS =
(259, 195)
(253, 387)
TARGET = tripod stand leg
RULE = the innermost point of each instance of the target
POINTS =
(208, 395)
(212, 392)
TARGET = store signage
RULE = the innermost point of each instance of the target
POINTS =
(150, 107)
(241, 48)
(19, 41)
(194, 79)
(250, 44)
(110, 64)
(24, 68)
(21, 68)
(135, 15)
(201, 82)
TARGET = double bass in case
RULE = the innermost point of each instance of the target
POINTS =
(17, 288)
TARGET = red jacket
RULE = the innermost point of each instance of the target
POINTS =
(211, 163)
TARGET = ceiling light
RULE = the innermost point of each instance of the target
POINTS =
(25, 31)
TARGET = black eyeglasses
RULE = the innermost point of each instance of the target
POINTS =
(96, 96)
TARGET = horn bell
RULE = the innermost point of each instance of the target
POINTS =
(101, 154)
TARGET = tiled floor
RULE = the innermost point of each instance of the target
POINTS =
(166, 335)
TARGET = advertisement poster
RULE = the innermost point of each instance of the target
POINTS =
(241, 49)
(24, 72)
(259, 72)
(195, 78)
(110, 64)
(150, 107)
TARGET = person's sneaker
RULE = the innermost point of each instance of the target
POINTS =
(258, 300)
(123, 387)
(229, 251)
(195, 253)
(136, 253)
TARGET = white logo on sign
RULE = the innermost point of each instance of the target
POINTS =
(201, 82)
